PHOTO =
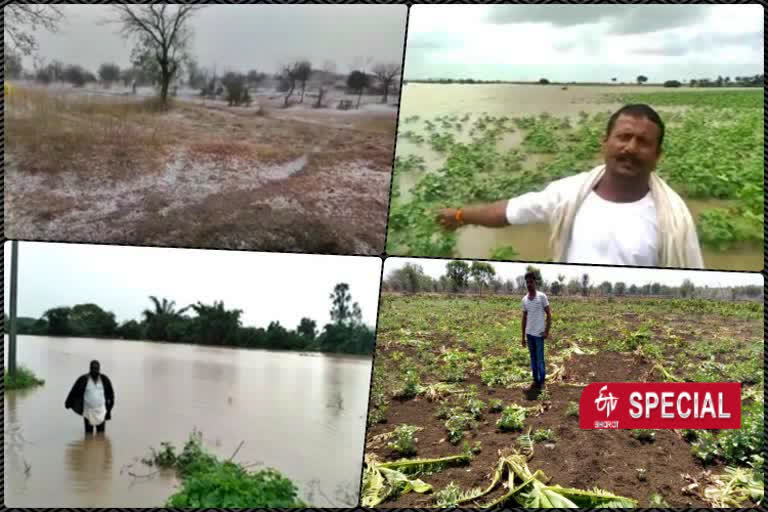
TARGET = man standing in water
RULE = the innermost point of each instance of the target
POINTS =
(620, 213)
(92, 397)
(535, 331)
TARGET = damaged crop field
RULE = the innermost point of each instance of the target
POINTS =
(114, 168)
(451, 421)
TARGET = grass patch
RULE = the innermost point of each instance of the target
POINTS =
(209, 482)
(54, 131)
(23, 379)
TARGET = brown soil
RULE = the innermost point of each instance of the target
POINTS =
(208, 180)
(607, 459)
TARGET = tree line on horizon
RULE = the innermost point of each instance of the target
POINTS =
(756, 80)
(160, 57)
(211, 324)
(480, 277)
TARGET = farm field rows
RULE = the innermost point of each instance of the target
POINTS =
(713, 156)
(450, 377)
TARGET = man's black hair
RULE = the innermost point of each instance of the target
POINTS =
(530, 275)
(638, 110)
(95, 361)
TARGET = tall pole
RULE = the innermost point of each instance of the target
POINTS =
(12, 326)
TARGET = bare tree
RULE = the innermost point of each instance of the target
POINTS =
(288, 76)
(22, 19)
(386, 73)
(303, 70)
(163, 34)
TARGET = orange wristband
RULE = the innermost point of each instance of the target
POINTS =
(459, 218)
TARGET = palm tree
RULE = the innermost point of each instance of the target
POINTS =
(157, 321)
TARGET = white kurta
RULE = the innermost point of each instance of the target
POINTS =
(94, 402)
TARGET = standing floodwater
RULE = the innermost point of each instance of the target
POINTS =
(538, 128)
(303, 414)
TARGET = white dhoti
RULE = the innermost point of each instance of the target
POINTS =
(95, 416)
(95, 407)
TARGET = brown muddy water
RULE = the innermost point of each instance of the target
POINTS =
(531, 241)
(303, 414)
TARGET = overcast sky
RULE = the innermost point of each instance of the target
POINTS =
(584, 42)
(244, 37)
(266, 286)
(597, 275)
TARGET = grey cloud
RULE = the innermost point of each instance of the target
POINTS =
(243, 37)
(434, 40)
(675, 46)
(621, 19)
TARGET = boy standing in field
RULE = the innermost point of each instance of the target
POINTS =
(535, 329)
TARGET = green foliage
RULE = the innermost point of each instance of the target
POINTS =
(502, 371)
(404, 442)
(512, 418)
(495, 405)
(541, 435)
(644, 435)
(573, 409)
(733, 446)
(210, 483)
(212, 324)
(458, 424)
(384, 481)
(410, 387)
(713, 150)
(504, 253)
(451, 495)
(657, 501)
(23, 379)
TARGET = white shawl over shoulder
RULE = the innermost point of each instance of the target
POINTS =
(678, 241)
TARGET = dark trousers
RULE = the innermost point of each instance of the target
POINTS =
(89, 427)
(536, 349)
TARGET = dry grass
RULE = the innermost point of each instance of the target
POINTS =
(380, 125)
(56, 130)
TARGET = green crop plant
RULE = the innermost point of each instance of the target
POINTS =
(457, 424)
(573, 409)
(495, 405)
(403, 441)
(210, 483)
(512, 418)
(644, 435)
(541, 435)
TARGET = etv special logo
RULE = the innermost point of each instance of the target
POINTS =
(661, 405)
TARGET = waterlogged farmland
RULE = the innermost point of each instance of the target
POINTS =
(451, 422)
(461, 145)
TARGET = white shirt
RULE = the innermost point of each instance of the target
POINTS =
(615, 233)
(536, 323)
(603, 231)
(94, 402)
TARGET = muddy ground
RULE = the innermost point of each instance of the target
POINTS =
(203, 175)
(611, 460)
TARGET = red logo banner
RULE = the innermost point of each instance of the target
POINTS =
(660, 405)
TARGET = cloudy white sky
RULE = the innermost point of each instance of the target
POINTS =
(584, 42)
(266, 286)
(244, 37)
(638, 276)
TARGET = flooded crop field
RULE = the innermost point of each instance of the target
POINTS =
(464, 144)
